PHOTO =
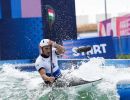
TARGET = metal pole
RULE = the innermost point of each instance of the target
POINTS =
(105, 3)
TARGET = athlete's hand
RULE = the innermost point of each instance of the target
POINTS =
(50, 42)
(51, 79)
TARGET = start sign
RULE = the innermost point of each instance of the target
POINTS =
(100, 47)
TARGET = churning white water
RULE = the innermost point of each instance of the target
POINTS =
(17, 85)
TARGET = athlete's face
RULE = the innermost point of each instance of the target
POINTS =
(46, 50)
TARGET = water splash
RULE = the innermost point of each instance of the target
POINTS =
(15, 84)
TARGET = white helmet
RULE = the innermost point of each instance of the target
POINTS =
(44, 42)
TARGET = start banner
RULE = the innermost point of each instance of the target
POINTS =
(101, 47)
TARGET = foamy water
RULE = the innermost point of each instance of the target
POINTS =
(16, 85)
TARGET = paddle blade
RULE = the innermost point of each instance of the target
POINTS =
(83, 49)
(50, 14)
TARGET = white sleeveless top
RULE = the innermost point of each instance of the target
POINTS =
(45, 63)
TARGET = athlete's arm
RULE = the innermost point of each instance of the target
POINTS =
(44, 76)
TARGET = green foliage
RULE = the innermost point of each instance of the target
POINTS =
(123, 56)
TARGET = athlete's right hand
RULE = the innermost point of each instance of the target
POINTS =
(51, 42)
(51, 79)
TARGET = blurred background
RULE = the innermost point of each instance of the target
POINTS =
(23, 24)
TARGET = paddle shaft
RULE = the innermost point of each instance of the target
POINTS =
(50, 23)
(51, 59)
